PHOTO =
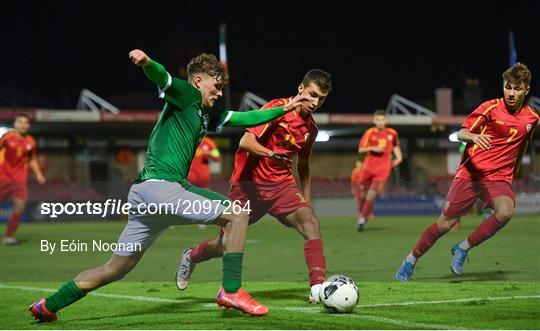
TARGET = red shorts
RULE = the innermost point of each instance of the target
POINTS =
(278, 200)
(10, 189)
(463, 194)
(374, 179)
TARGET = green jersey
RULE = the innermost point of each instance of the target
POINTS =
(182, 124)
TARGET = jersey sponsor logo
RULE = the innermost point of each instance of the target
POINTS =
(499, 122)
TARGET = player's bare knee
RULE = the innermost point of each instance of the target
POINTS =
(115, 271)
(309, 227)
(119, 266)
(18, 206)
(314, 228)
(445, 224)
(504, 214)
(218, 244)
(227, 220)
(18, 210)
(240, 218)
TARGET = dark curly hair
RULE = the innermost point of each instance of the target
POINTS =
(207, 64)
(517, 74)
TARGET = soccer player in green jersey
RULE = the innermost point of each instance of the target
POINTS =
(188, 113)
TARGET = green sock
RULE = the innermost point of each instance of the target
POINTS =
(65, 296)
(232, 272)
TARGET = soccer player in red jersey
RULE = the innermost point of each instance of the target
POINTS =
(17, 152)
(356, 188)
(497, 134)
(379, 142)
(263, 177)
(199, 172)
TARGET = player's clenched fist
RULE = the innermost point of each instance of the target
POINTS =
(139, 58)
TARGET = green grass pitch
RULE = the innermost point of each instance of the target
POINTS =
(500, 288)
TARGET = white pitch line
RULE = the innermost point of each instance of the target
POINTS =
(379, 319)
(406, 323)
(98, 294)
(410, 303)
(309, 309)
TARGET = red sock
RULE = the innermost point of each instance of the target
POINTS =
(426, 241)
(13, 224)
(367, 208)
(200, 252)
(316, 263)
(484, 231)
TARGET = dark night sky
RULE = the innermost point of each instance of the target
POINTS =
(52, 51)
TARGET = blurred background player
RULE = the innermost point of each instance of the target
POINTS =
(17, 152)
(186, 116)
(378, 142)
(356, 188)
(199, 172)
(497, 134)
(263, 177)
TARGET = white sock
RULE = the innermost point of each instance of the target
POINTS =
(361, 220)
(465, 245)
(410, 258)
(315, 290)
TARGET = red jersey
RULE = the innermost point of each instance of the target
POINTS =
(508, 131)
(15, 152)
(386, 139)
(290, 134)
(199, 172)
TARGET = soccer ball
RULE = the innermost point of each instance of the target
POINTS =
(339, 294)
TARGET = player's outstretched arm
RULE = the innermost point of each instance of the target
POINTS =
(250, 144)
(253, 118)
(154, 71)
(481, 140)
